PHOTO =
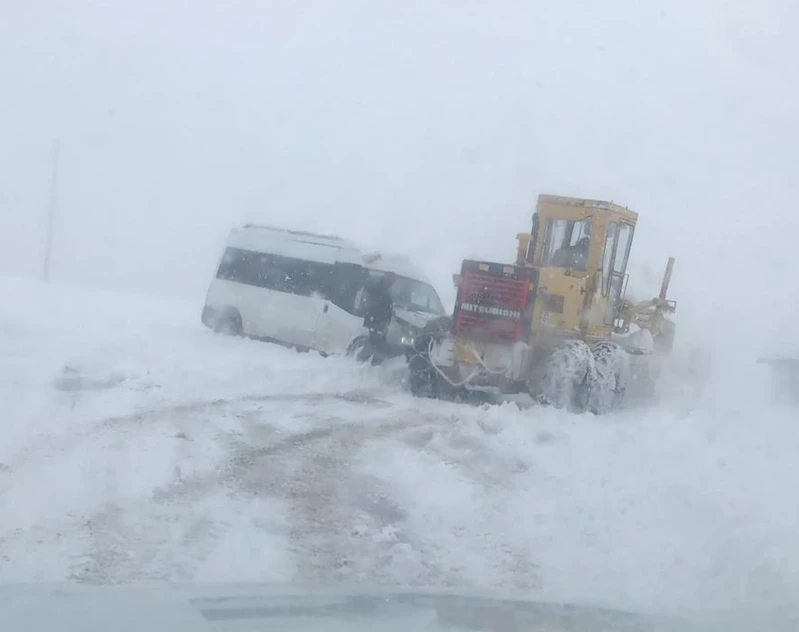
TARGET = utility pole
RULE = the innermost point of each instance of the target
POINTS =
(53, 204)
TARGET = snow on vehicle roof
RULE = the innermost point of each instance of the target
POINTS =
(289, 231)
(398, 264)
(307, 246)
(319, 247)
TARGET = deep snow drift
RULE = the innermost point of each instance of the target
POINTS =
(137, 445)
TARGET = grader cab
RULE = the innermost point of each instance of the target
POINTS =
(556, 323)
(581, 248)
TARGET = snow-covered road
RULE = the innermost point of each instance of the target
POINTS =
(139, 446)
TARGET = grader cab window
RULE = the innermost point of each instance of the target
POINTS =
(614, 265)
(623, 248)
(566, 243)
(607, 255)
(618, 240)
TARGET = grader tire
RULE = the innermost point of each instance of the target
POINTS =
(608, 384)
(567, 372)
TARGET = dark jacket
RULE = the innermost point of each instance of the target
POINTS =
(379, 306)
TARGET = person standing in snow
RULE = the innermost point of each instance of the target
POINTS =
(378, 310)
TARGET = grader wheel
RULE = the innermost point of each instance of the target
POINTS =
(567, 373)
(608, 384)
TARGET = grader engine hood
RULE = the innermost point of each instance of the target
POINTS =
(493, 302)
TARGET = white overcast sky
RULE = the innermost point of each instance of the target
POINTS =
(424, 126)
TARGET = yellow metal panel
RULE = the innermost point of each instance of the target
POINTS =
(586, 206)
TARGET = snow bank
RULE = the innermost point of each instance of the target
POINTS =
(87, 356)
(657, 511)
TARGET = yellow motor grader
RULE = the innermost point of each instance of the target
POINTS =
(556, 323)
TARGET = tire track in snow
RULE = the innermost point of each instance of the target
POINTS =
(342, 525)
(46, 445)
(123, 548)
(140, 542)
(347, 526)
(468, 454)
